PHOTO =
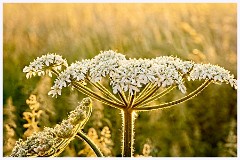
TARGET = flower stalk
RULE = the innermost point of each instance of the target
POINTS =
(181, 100)
(155, 97)
(91, 144)
(128, 133)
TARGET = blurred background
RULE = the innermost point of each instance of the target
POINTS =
(203, 127)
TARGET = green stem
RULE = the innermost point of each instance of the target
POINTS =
(123, 97)
(92, 145)
(144, 91)
(104, 91)
(128, 134)
(90, 93)
(147, 95)
(155, 97)
(181, 100)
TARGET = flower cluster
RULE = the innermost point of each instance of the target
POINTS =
(132, 74)
(42, 65)
(106, 141)
(43, 143)
(106, 63)
(64, 130)
(32, 117)
(213, 72)
(76, 71)
(35, 145)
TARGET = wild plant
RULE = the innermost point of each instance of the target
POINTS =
(146, 151)
(229, 148)
(9, 124)
(32, 117)
(135, 83)
(46, 103)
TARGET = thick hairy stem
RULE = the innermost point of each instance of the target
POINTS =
(92, 94)
(169, 104)
(155, 97)
(127, 131)
(92, 145)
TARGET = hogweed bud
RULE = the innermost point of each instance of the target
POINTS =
(47, 142)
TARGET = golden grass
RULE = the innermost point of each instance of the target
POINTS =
(138, 30)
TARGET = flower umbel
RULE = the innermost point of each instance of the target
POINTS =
(212, 72)
(42, 65)
(132, 74)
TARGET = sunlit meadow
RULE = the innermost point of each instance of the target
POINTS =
(202, 127)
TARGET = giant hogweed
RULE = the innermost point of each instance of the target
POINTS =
(135, 82)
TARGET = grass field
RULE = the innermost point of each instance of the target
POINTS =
(200, 32)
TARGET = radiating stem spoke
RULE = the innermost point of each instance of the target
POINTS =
(155, 97)
(55, 72)
(169, 104)
(92, 94)
(105, 92)
(147, 95)
(123, 97)
(144, 91)
(131, 100)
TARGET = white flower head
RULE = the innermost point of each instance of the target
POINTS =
(212, 72)
(128, 75)
(103, 64)
(41, 65)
